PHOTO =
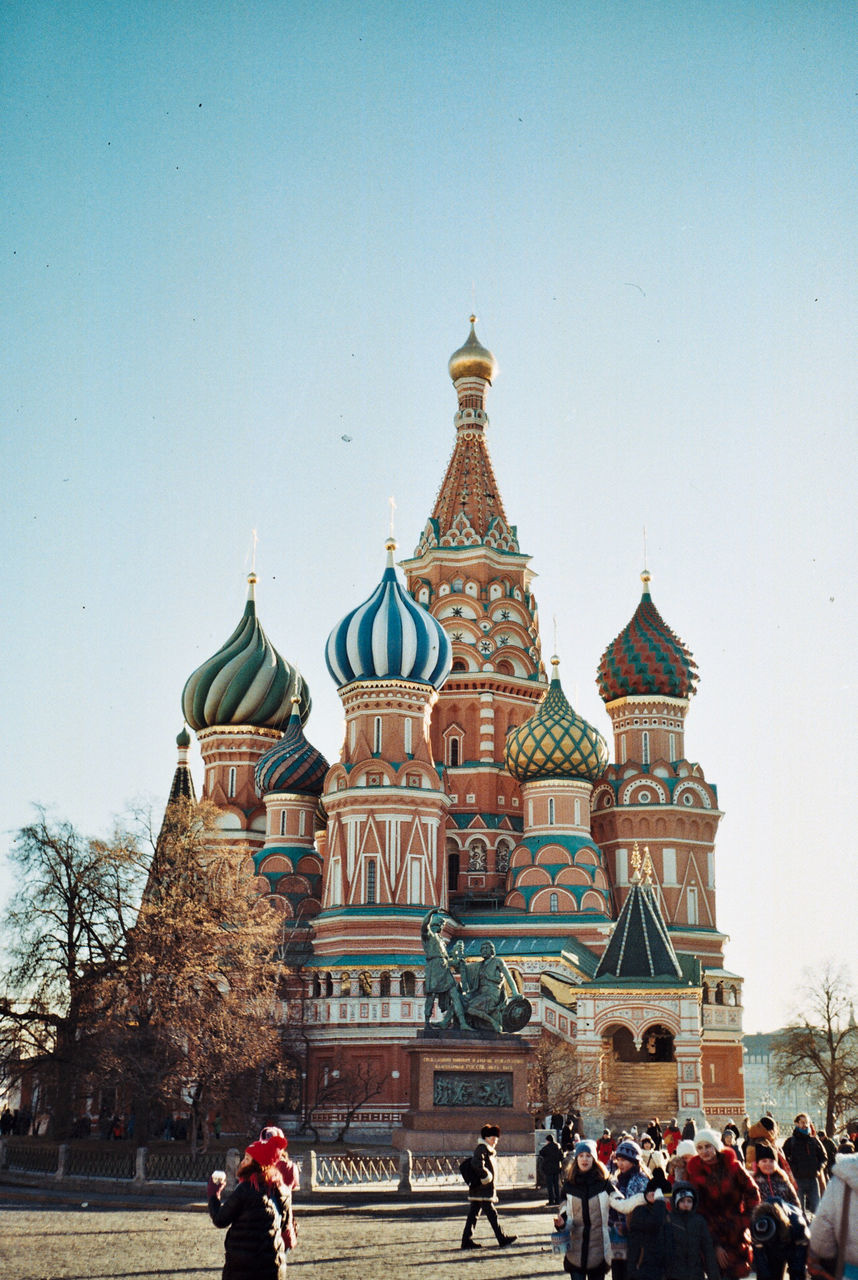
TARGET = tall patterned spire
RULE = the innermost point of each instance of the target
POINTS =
(469, 511)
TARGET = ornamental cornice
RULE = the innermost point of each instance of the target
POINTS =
(644, 700)
(397, 693)
(239, 731)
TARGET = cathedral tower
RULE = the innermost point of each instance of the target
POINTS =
(238, 702)
(384, 799)
(652, 794)
(469, 572)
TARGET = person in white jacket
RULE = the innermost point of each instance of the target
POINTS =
(826, 1226)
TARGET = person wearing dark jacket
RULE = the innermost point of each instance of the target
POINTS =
(254, 1213)
(648, 1234)
(806, 1156)
(586, 1190)
(690, 1251)
(550, 1160)
(482, 1189)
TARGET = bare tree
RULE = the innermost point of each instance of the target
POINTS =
(558, 1080)
(820, 1045)
(65, 931)
(192, 1011)
(347, 1091)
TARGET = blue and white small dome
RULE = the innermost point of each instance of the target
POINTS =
(389, 637)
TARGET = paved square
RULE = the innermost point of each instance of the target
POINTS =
(41, 1241)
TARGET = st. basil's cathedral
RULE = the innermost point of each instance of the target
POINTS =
(467, 781)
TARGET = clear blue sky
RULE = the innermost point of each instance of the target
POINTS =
(231, 234)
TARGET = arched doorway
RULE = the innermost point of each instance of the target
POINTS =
(657, 1044)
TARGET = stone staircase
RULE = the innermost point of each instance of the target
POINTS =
(634, 1092)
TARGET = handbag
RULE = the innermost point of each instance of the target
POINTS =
(560, 1240)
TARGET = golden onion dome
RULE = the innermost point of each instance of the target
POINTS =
(555, 742)
(473, 360)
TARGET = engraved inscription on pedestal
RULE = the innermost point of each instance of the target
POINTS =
(472, 1089)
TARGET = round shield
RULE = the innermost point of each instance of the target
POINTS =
(517, 1014)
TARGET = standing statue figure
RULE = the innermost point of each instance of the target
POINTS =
(440, 983)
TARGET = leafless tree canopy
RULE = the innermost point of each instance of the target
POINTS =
(157, 971)
(820, 1046)
(557, 1079)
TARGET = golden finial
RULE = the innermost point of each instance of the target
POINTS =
(648, 869)
(636, 864)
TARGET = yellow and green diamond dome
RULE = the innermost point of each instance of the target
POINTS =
(555, 742)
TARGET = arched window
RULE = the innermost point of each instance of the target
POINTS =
(302, 822)
(671, 739)
(282, 822)
(645, 747)
(453, 752)
(577, 812)
(231, 780)
(316, 987)
(408, 747)
(384, 986)
(408, 983)
(376, 736)
(365, 984)
(551, 811)
(502, 856)
(329, 985)
(553, 903)
(477, 859)
(370, 880)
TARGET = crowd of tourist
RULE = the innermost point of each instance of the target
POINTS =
(671, 1203)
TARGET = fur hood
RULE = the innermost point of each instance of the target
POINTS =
(846, 1168)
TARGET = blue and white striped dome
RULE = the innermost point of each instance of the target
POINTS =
(389, 637)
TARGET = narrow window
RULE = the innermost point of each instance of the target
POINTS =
(623, 749)
(370, 880)
(552, 903)
(671, 738)
(551, 811)
(454, 752)
(302, 822)
(577, 813)
(230, 786)
(691, 898)
(282, 822)
(408, 747)
(645, 747)
(376, 736)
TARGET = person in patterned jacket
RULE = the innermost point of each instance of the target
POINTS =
(726, 1195)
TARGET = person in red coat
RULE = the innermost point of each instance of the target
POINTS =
(726, 1195)
(605, 1148)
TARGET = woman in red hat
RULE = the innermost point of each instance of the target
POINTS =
(254, 1214)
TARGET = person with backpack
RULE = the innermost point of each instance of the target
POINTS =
(481, 1176)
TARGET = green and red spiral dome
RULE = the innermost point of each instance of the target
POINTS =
(646, 658)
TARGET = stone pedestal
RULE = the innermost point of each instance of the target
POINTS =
(459, 1084)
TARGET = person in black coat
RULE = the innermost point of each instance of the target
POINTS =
(482, 1189)
(550, 1160)
(690, 1249)
(647, 1253)
(254, 1213)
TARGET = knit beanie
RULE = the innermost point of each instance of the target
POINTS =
(685, 1148)
(708, 1135)
(629, 1149)
(763, 1152)
(585, 1145)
